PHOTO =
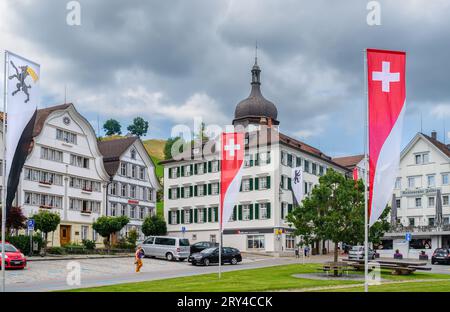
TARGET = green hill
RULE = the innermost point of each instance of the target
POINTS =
(155, 148)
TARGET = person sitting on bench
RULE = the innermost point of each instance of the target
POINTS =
(398, 255)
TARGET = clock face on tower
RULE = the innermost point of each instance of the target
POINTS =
(66, 120)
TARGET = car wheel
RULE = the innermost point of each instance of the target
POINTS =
(234, 261)
(206, 262)
(169, 256)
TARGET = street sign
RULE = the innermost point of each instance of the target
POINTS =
(408, 237)
(30, 224)
(183, 229)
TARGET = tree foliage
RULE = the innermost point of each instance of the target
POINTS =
(106, 225)
(112, 126)
(168, 147)
(139, 127)
(154, 225)
(15, 219)
(46, 222)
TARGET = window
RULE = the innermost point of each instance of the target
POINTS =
(66, 136)
(215, 166)
(431, 202)
(262, 183)
(133, 191)
(446, 220)
(264, 158)
(445, 200)
(248, 160)
(150, 194)
(79, 161)
(314, 168)
(85, 206)
(321, 170)
(187, 171)
(201, 215)
(133, 212)
(201, 190)
(445, 178)
(187, 216)
(84, 232)
(200, 168)
(245, 212)
(289, 160)
(43, 200)
(212, 238)
(255, 242)
(283, 158)
(133, 154)
(173, 217)
(398, 183)
(412, 221)
(290, 242)
(123, 210)
(133, 171)
(422, 158)
(263, 211)
(187, 191)
(398, 203)
(298, 162)
(173, 193)
(431, 181)
(246, 185)
(306, 163)
(173, 172)
(113, 189)
(142, 173)
(123, 190)
(123, 169)
(44, 177)
(51, 154)
(141, 213)
(431, 222)
(215, 189)
(113, 207)
(411, 182)
(418, 202)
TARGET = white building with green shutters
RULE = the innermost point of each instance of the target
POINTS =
(258, 223)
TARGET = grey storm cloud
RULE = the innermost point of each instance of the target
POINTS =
(196, 55)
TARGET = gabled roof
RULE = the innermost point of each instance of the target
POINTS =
(112, 150)
(441, 146)
(42, 115)
(349, 162)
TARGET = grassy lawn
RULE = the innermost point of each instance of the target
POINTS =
(264, 279)
(160, 208)
(435, 286)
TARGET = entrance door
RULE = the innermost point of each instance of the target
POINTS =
(64, 234)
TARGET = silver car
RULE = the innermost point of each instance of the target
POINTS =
(166, 247)
(357, 253)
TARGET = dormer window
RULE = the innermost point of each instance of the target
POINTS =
(422, 158)
(133, 154)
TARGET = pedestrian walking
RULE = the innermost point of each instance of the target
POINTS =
(138, 258)
(297, 252)
(307, 251)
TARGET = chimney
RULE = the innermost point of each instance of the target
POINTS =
(434, 134)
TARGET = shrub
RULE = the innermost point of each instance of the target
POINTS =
(154, 225)
(56, 251)
(132, 237)
(89, 244)
(22, 242)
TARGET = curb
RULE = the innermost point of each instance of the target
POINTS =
(36, 259)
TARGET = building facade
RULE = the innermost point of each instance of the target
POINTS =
(133, 185)
(258, 223)
(64, 173)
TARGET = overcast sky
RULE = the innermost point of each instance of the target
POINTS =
(171, 61)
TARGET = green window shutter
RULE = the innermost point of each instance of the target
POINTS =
(289, 184)
(191, 216)
(219, 165)
(268, 158)
(240, 188)
(209, 189)
(195, 190)
(240, 212)
(191, 190)
(282, 183)
(256, 159)
(282, 211)
(268, 182)
(251, 161)
(251, 211)
(268, 210)
(182, 192)
(216, 212)
(205, 214)
(256, 183)
(170, 193)
(191, 168)
(170, 217)
(178, 216)
(195, 215)
(251, 184)
(205, 189)
(182, 216)
(209, 166)
(195, 168)
(205, 167)
(256, 211)
(289, 208)
(170, 173)
(182, 171)
(178, 192)
(209, 215)
(234, 213)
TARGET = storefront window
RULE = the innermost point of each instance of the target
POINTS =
(255, 242)
(421, 243)
(290, 242)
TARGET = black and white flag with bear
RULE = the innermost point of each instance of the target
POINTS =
(21, 103)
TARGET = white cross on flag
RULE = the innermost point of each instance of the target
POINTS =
(386, 100)
(232, 162)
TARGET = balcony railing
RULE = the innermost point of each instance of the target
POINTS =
(419, 229)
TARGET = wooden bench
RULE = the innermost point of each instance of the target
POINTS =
(397, 267)
(340, 267)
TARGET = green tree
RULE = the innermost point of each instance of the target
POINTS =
(46, 222)
(106, 225)
(139, 127)
(132, 237)
(15, 220)
(112, 126)
(331, 212)
(154, 225)
(168, 147)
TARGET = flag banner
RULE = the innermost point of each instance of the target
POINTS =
(297, 184)
(23, 93)
(232, 162)
(386, 109)
(355, 174)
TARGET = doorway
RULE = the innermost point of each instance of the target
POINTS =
(64, 234)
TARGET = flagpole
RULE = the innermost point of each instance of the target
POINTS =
(4, 174)
(220, 217)
(366, 178)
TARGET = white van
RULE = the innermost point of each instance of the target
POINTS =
(166, 247)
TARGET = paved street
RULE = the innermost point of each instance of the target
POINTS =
(51, 275)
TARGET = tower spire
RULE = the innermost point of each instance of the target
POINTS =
(256, 71)
(256, 52)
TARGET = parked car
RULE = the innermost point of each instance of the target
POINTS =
(357, 253)
(14, 258)
(197, 247)
(441, 255)
(166, 247)
(211, 255)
